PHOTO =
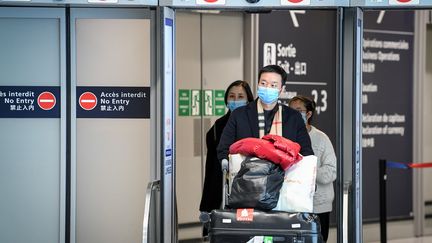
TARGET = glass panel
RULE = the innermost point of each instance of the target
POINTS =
(30, 150)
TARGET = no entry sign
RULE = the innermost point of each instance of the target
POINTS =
(295, 2)
(210, 2)
(113, 102)
(46, 100)
(88, 101)
(30, 102)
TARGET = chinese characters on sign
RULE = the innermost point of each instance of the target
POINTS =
(113, 102)
(29, 102)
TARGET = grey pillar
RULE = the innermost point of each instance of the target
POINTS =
(166, 123)
(350, 122)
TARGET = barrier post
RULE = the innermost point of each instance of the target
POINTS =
(383, 199)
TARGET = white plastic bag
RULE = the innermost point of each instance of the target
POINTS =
(234, 165)
(298, 188)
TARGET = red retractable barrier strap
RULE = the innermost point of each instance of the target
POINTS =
(420, 165)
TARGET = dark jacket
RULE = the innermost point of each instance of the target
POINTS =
(243, 123)
(212, 191)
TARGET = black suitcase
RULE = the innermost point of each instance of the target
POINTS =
(249, 225)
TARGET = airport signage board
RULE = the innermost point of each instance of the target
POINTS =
(29, 102)
(201, 102)
(387, 99)
(253, 4)
(307, 52)
(113, 102)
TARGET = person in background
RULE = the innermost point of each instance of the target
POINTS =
(237, 94)
(326, 167)
(265, 116)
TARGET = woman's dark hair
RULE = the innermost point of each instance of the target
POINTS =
(245, 86)
(308, 102)
(273, 69)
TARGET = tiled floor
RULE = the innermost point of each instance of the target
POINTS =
(410, 240)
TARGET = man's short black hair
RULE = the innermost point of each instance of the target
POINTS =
(274, 69)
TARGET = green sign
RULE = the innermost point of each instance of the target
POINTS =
(184, 102)
(268, 239)
(197, 102)
(219, 102)
(208, 106)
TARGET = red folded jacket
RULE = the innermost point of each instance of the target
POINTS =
(276, 149)
(284, 144)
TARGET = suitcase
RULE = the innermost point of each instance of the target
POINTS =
(249, 225)
(252, 226)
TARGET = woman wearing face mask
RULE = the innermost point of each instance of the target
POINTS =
(237, 94)
(326, 168)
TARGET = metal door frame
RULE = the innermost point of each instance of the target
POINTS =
(348, 118)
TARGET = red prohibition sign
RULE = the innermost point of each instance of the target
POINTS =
(404, 1)
(211, 1)
(46, 100)
(88, 101)
(295, 1)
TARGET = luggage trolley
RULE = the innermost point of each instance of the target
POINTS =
(250, 225)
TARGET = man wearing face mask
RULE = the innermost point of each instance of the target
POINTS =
(265, 116)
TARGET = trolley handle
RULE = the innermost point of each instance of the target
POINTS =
(224, 164)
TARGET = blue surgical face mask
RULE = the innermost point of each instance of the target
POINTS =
(303, 114)
(268, 95)
(234, 104)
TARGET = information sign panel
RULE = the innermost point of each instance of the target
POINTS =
(307, 52)
(29, 102)
(387, 108)
(219, 96)
(113, 102)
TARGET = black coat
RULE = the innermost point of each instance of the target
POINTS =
(212, 191)
(243, 123)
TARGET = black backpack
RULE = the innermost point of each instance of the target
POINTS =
(256, 185)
